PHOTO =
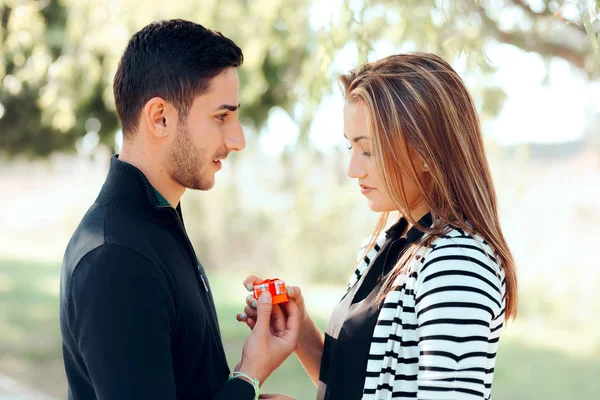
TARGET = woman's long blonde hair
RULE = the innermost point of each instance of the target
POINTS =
(417, 101)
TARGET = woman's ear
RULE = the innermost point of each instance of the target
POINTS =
(420, 164)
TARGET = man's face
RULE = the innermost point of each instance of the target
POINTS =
(209, 133)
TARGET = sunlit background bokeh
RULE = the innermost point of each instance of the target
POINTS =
(284, 207)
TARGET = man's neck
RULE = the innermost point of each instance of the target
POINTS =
(154, 170)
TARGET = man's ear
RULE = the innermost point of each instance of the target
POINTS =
(154, 115)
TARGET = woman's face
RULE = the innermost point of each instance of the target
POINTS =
(364, 167)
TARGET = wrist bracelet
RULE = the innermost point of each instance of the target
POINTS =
(253, 381)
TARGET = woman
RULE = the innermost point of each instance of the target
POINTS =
(425, 308)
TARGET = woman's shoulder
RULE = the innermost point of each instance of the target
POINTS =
(460, 269)
(456, 249)
(456, 238)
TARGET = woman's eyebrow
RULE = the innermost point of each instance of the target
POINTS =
(357, 139)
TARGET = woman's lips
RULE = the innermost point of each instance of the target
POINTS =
(366, 189)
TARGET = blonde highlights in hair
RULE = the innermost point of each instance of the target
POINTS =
(417, 103)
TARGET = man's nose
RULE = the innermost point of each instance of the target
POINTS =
(234, 139)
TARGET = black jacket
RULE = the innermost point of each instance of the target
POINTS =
(137, 316)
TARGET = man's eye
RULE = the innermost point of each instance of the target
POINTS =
(221, 117)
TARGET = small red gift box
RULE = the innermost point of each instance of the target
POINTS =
(275, 286)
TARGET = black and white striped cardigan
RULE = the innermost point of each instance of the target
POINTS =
(438, 331)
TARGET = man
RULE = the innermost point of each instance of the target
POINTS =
(136, 309)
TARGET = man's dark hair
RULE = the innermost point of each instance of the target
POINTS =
(173, 59)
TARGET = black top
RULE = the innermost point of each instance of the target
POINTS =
(350, 328)
(137, 317)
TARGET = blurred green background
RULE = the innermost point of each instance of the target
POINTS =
(284, 206)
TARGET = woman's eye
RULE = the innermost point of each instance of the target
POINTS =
(366, 153)
(221, 117)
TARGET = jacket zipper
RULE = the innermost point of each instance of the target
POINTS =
(189, 242)
(213, 318)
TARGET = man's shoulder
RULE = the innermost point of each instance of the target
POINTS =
(99, 228)
(89, 235)
(103, 225)
(106, 237)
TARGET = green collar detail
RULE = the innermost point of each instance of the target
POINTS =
(161, 200)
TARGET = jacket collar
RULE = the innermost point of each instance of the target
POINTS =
(414, 234)
(127, 187)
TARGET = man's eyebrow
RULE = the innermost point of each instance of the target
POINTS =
(227, 107)
(357, 139)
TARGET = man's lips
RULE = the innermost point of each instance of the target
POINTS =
(217, 162)
(218, 158)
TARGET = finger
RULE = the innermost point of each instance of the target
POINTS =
(263, 317)
(251, 301)
(250, 322)
(250, 312)
(278, 318)
(293, 317)
(250, 281)
(242, 317)
(295, 293)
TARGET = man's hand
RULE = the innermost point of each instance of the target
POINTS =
(274, 337)
(311, 340)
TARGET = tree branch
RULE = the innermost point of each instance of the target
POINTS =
(546, 14)
(533, 43)
(4, 16)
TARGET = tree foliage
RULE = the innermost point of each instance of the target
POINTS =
(58, 58)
